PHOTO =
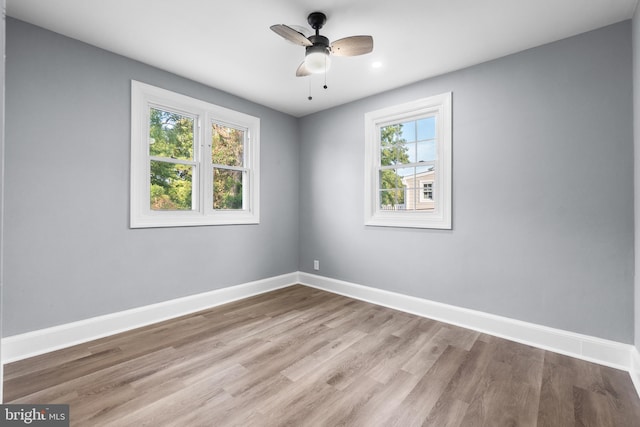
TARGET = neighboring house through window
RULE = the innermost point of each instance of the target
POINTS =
(408, 164)
(192, 162)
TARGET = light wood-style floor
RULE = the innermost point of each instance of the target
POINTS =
(301, 356)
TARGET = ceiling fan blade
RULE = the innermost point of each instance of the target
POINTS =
(290, 34)
(352, 46)
(302, 30)
(302, 71)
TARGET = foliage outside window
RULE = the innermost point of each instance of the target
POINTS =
(227, 156)
(192, 163)
(408, 164)
(171, 158)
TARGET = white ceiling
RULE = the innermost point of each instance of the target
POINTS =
(228, 44)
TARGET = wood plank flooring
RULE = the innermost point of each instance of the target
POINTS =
(304, 357)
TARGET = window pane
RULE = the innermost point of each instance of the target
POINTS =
(426, 199)
(392, 200)
(406, 173)
(426, 151)
(391, 146)
(227, 145)
(170, 135)
(408, 131)
(396, 153)
(392, 190)
(410, 202)
(425, 189)
(408, 152)
(389, 178)
(227, 189)
(427, 128)
(171, 186)
(422, 169)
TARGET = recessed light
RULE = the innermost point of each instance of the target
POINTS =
(376, 64)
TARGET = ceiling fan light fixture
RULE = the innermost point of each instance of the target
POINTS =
(317, 59)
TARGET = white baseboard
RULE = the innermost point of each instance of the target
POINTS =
(597, 350)
(635, 369)
(30, 344)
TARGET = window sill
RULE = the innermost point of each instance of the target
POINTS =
(408, 220)
(184, 219)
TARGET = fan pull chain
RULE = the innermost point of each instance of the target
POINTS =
(325, 72)
(325, 83)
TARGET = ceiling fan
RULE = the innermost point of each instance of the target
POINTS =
(318, 49)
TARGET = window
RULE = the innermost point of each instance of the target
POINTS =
(427, 191)
(192, 163)
(408, 164)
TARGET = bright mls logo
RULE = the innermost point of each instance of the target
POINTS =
(34, 415)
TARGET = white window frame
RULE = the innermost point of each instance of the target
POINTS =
(440, 218)
(143, 97)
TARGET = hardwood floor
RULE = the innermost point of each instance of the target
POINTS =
(300, 356)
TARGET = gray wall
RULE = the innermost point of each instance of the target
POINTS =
(542, 184)
(636, 140)
(2, 52)
(69, 252)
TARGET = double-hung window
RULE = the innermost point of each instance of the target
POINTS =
(192, 162)
(408, 164)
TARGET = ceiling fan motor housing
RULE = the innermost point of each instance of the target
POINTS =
(317, 20)
(319, 42)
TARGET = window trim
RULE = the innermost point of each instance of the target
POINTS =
(144, 96)
(440, 218)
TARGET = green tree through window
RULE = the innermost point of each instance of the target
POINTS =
(227, 149)
(392, 152)
(171, 149)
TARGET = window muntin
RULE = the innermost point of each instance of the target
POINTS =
(186, 173)
(406, 146)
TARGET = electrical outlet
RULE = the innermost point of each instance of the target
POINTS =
(316, 264)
